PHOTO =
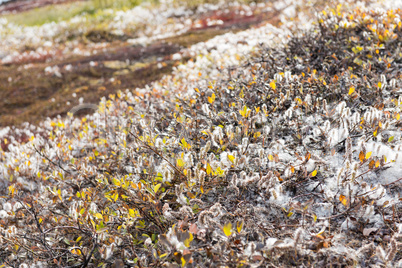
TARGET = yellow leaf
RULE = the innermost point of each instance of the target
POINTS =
(132, 213)
(398, 116)
(209, 169)
(231, 158)
(157, 187)
(212, 98)
(220, 171)
(239, 226)
(59, 194)
(116, 182)
(379, 84)
(163, 255)
(377, 163)
(368, 155)
(227, 229)
(76, 251)
(272, 84)
(314, 173)
(371, 164)
(188, 240)
(351, 90)
(180, 162)
(183, 141)
(361, 156)
(390, 138)
(183, 262)
(270, 157)
(319, 235)
(315, 217)
(245, 112)
(99, 216)
(343, 200)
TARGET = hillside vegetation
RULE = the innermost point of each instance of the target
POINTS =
(269, 147)
(46, 69)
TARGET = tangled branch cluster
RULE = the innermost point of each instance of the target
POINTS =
(292, 158)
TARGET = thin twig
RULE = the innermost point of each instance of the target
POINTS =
(337, 215)
(51, 161)
(19, 244)
(88, 258)
(85, 231)
(392, 182)
(159, 154)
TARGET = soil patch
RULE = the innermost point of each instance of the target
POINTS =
(19, 6)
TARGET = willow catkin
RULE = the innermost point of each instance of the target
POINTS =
(380, 252)
(392, 250)
(298, 235)
(349, 149)
(324, 105)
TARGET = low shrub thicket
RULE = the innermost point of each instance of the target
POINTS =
(291, 160)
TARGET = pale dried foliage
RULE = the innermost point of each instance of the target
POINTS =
(282, 161)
